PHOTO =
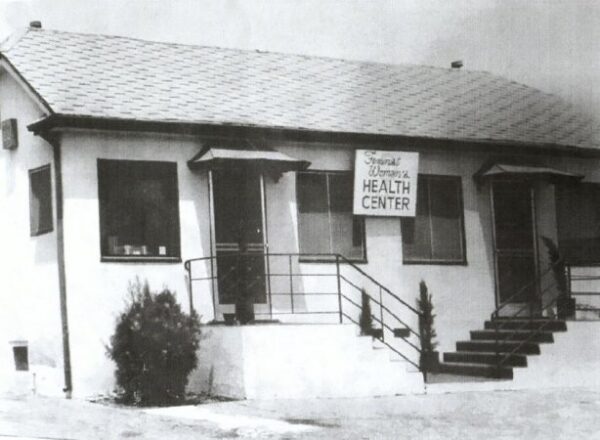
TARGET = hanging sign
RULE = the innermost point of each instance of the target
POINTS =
(385, 183)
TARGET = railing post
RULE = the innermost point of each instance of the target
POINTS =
(213, 262)
(291, 283)
(268, 284)
(497, 348)
(381, 314)
(187, 266)
(568, 275)
(339, 286)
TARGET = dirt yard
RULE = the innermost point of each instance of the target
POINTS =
(555, 414)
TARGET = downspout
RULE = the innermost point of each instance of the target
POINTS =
(60, 253)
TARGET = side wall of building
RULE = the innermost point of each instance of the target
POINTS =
(29, 296)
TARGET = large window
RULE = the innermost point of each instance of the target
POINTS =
(436, 233)
(139, 215)
(40, 200)
(578, 216)
(325, 220)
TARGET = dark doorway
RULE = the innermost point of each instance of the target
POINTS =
(239, 236)
(515, 250)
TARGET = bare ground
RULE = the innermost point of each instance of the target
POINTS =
(541, 414)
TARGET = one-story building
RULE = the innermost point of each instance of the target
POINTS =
(125, 158)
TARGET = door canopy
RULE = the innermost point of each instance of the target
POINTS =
(495, 170)
(223, 154)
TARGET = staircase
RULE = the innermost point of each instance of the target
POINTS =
(503, 344)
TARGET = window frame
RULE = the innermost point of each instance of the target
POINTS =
(140, 258)
(324, 257)
(50, 227)
(441, 262)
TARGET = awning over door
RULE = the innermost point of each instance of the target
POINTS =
(242, 153)
(505, 170)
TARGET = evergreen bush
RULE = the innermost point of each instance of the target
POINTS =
(154, 346)
(558, 266)
(426, 319)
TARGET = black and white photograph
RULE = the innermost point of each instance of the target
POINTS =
(299, 219)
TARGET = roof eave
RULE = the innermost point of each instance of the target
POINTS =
(56, 121)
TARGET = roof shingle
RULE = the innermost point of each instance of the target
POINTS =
(116, 77)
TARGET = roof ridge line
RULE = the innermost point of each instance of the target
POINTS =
(262, 51)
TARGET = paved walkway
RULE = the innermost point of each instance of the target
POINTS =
(545, 414)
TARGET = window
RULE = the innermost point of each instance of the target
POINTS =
(578, 217)
(139, 214)
(40, 200)
(325, 221)
(436, 233)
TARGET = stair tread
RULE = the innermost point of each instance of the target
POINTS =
(508, 330)
(481, 353)
(473, 369)
(473, 365)
(493, 341)
(514, 324)
(516, 360)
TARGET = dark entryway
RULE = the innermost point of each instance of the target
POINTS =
(514, 234)
(239, 235)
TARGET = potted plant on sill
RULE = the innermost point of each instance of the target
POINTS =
(430, 358)
(565, 304)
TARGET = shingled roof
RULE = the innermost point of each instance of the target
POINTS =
(102, 76)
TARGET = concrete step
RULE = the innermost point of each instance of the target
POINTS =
(511, 335)
(298, 361)
(501, 347)
(478, 370)
(551, 325)
(472, 357)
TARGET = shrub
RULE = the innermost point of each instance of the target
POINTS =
(365, 320)
(558, 266)
(154, 347)
(426, 319)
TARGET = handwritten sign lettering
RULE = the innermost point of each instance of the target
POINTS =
(385, 183)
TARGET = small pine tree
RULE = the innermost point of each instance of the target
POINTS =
(366, 319)
(558, 266)
(426, 319)
(154, 346)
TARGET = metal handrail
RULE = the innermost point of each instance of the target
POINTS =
(382, 306)
(388, 345)
(392, 294)
(500, 326)
(524, 288)
(385, 313)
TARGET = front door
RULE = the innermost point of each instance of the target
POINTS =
(239, 238)
(515, 249)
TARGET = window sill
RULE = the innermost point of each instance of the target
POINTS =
(139, 259)
(435, 263)
(332, 260)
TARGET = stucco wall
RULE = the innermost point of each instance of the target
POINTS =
(463, 295)
(97, 290)
(29, 299)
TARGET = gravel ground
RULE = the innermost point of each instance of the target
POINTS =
(543, 414)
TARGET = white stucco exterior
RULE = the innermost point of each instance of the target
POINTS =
(463, 294)
(29, 311)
